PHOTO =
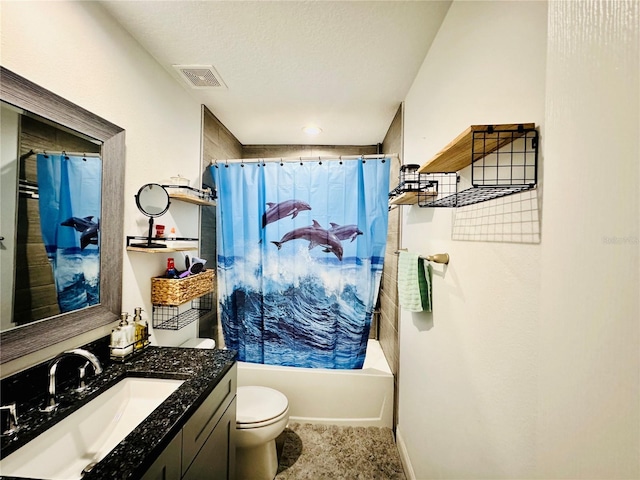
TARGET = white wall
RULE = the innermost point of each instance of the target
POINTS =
(467, 400)
(589, 349)
(77, 51)
(528, 366)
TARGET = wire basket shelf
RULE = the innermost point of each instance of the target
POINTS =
(503, 162)
(167, 317)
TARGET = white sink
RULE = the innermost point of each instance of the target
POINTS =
(90, 433)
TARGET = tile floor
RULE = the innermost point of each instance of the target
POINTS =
(318, 452)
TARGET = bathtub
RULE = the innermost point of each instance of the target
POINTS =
(358, 398)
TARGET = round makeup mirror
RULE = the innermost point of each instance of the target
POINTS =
(153, 201)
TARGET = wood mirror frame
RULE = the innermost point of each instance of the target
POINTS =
(21, 93)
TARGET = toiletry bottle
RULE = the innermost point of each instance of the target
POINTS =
(142, 328)
(129, 332)
(116, 342)
(119, 343)
(171, 269)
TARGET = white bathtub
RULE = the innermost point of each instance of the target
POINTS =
(337, 397)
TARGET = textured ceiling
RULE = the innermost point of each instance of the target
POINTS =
(344, 66)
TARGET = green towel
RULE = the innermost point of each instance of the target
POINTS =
(414, 283)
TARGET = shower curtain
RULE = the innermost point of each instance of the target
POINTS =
(300, 251)
(69, 190)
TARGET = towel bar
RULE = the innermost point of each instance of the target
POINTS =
(437, 258)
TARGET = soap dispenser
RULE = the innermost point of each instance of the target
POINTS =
(141, 328)
(128, 332)
(119, 345)
(116, 342)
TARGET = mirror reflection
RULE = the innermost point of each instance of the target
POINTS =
(51, 202)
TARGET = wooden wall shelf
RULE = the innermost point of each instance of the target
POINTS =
(458, 154)
(406, 198)
(173, 248)
(409, 198)
(185, 193)
(161, 250)
(184, 197)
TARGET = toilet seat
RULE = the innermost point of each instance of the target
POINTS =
(259, 406)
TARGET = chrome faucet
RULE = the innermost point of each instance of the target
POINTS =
(51, 402)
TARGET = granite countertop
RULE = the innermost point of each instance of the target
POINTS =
(200, 369)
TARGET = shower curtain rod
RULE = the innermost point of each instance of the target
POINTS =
(52, 152)
(305, 159)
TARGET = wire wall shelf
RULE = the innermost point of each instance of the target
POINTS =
(503, 160)
(169, 317)
(442, 187)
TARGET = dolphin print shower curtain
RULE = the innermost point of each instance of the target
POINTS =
(69, 189)
(300, 251)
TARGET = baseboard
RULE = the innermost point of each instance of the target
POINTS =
(404, 455)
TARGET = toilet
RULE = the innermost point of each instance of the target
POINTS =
(199, 343)
(262, 414)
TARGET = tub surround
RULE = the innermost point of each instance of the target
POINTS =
(361, 397)
(201, 369)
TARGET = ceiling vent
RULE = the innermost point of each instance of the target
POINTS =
(200, 76)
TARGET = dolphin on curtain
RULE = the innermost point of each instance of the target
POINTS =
(87, 227)
(316, 235)
(344, 232)
(280, 210)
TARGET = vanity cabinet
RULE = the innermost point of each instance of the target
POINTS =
(217, 457)
(205, 447)
(167, 465)
(208, 440)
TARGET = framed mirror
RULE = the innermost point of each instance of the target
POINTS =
(32, 99)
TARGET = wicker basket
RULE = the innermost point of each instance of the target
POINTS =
(169, 291)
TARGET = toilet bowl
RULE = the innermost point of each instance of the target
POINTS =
(262, 414)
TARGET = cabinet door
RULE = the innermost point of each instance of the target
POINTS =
(216, 460)
(167, 465)
(198, 428)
